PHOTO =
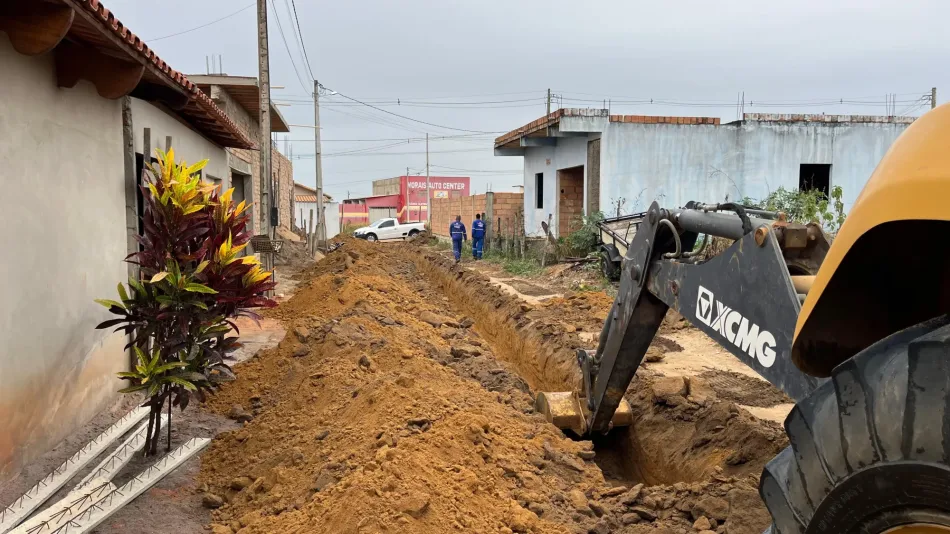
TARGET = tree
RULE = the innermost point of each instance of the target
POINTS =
(193, 282)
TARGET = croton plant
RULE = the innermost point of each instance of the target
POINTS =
(193, 281)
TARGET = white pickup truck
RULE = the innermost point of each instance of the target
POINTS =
(384, 229)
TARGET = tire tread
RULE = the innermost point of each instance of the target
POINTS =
(855, 420)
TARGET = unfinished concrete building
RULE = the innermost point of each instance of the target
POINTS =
(239, 97)
(579, 161)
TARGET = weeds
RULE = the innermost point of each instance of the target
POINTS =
(585, 239)
(805, 206)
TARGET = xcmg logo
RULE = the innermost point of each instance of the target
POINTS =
(730, 324)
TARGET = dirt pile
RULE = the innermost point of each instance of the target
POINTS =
(294, 254)
(360, 426)
(401, 401)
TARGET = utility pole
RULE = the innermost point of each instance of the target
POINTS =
(267, 182)
(933, 97)
(549, 103)
(321, 216)
(428, 193)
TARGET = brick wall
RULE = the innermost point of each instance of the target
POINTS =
(444, 211)
(386, 186)
(284, 189)
(570, 200)
(282, 167)
(508, 211)
(506, 206)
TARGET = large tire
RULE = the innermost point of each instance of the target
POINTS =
(870, 448)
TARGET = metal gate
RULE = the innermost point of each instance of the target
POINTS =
(376, 214)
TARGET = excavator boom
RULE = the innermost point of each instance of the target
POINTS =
(747, 298)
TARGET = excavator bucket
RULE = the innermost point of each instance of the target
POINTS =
(568, 411)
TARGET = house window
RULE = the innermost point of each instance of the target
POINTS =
(815, 176)
(539, 191)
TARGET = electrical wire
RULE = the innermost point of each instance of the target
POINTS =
(302, 45)
(377, 120)
(245, 8)
(411, 119)
(401, 102)
(301, 50)
(459, 137)
(519, 171)
(283, 37)
(369, 154)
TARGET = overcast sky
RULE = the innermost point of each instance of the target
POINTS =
(484, 66)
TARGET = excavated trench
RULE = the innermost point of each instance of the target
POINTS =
(400, 401)
(676, 436)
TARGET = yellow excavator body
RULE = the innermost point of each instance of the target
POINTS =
(888, 267)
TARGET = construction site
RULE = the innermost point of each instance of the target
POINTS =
(401, 399)
(689, 310)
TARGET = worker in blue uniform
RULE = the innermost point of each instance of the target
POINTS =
(457, 231)
(478, 236)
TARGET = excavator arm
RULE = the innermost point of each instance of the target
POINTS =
(747, 298)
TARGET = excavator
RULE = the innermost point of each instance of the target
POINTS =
(855, 330)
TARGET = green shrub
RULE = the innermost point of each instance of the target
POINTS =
(805, 206)
(586, 238)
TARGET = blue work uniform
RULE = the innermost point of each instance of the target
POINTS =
(457, 231)
(478, 238)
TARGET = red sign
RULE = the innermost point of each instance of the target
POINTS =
(439, 187)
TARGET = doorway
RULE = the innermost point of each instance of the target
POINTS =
(570, 205)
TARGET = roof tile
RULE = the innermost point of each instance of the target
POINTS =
(137, 46)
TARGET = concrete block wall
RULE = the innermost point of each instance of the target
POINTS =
(444, 211)
(570, 202)
(507, 206)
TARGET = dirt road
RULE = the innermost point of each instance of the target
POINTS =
(401, 401)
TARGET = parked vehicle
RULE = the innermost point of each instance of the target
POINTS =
(388, 228)
(615, 234)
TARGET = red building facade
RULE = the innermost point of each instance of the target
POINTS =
(403, 197)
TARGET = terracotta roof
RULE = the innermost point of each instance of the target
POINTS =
(306, 198)
(200, 111)
(547, 121)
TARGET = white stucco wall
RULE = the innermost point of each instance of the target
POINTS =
(678, 163)
(674, 164)
(569, 152)
(63, 241)
(189, 145)
(331, 213)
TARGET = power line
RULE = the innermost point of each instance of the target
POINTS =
(461, 137)
(375, 99)
(377, 120)
(302, 45)
(245, 8)
(297, 39)
(517, 171)
(286, 46)
(401, 102)
(365, 154)
(363, 150)
(410, 118)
